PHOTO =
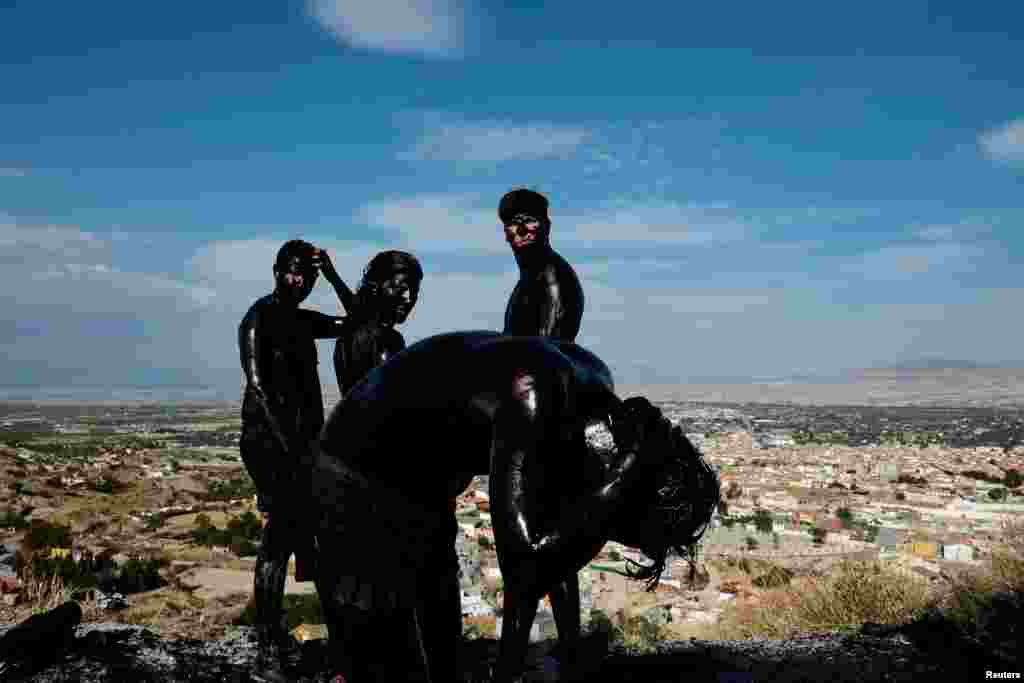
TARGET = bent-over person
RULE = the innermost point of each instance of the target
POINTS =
(522, 410)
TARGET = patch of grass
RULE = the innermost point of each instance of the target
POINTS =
(14, 520)
(851, 594)
(241, 486)
(44, 534)
(298, 609)
(239, 535)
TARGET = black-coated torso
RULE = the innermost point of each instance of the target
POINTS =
(285, 356)
(424, 421)
(548, 299)
(362, 348)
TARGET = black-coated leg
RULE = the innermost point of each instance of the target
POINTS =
(565, 603)
(519, 613)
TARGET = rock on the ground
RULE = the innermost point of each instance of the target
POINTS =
(109, 652)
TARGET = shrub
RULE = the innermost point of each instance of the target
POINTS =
(853, 593)
(138, 574)
(154, 522)
(243, 547)
(43, 534)
(776, 577)
(13, 520)
(763, 521)
(240, 487)
(65, 569)
(238, 536)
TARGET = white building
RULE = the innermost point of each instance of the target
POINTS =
(959, 552)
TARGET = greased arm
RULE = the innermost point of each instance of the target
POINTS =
(321, 325)
(326, 266)
(249, 349)
(552, 307)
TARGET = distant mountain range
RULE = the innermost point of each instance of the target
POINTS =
(942, 364)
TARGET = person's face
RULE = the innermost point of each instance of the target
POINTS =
(398, 296)
(524, 230)
(297, 279)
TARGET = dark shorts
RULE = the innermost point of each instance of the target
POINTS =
(379, 550)
(280, 479)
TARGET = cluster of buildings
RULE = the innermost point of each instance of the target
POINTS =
(890, 500)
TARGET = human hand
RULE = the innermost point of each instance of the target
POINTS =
(322, 261)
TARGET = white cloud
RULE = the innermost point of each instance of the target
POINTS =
(12, 173)
(433, 28)
(495, 141)
(905, 262)
(437, 222)
(1004, 143)
(449, 221)
(936, 233)
(650, 224)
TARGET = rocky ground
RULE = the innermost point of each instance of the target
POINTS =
(106, 652)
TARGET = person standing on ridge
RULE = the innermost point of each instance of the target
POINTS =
(548, 299)
(386, 296)
(282, 414)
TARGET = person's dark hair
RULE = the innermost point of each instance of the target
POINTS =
(293, 249)
(522, 200)
(680, 511)
(378, 271)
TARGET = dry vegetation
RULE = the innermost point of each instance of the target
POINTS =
(852, 594)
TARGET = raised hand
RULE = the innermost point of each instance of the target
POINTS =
(322, 262)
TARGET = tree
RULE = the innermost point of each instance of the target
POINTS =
(763, 521)
(1013, 479)
(997, 494)
(752, 543)
(845, 517)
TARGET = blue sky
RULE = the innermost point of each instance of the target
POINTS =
(746, 190)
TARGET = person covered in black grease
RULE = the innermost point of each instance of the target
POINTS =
(386, 295)
(524, 411)
(547, 300)
(282, 414)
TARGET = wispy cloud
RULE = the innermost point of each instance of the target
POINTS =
(433, 28)
(936, 233)
(904, 262)
(651, 223)
(445, 221)
(1004, 143)
(494, 141)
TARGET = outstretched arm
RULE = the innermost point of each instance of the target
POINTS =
(584, 524)
(249, 349)
(345, 295)
(552, 308)
(323, 326)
